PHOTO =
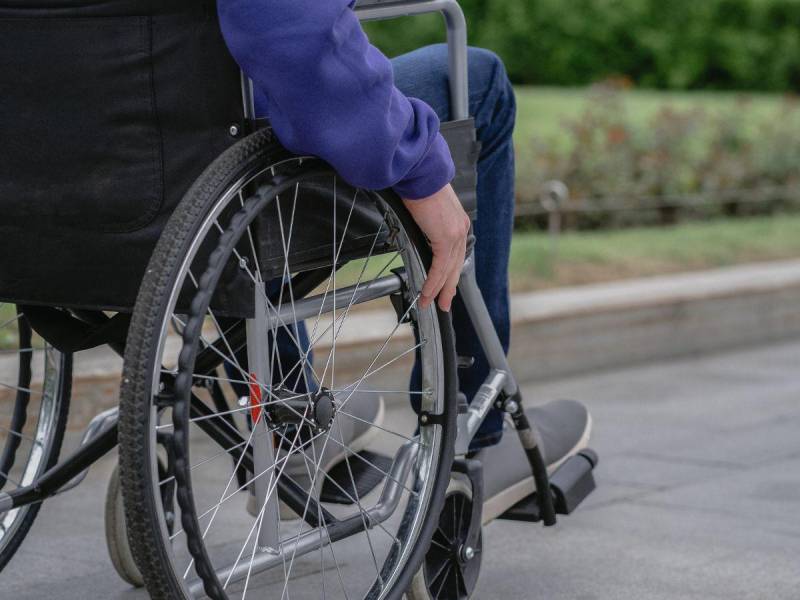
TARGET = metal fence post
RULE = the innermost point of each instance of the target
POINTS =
(552, 197)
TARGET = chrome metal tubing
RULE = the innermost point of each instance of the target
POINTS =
(248, 98)
(97, 423)
(306, 308)
(315, 539)
(258, 359)
(469, 422)
(456, 24)
(482, 322)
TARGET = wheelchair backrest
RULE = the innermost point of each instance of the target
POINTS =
(109, 110)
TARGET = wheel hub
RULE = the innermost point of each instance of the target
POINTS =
(466, 554)
(315, 410)
(323, 408)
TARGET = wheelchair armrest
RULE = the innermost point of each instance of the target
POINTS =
(465, 149)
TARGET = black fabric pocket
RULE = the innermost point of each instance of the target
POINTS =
(465, 149)
(80, 145)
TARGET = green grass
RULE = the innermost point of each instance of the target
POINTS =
(8, 331)
(585, 257)
(588, 257)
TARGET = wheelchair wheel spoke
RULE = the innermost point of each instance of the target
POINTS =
(381, 392)
(314, 339)
(18, 388)
(352, 499)
(338, 332)
(9, 478)
(373, 466)
(20, 351)
(215, 508)
(224, 452)
(353, 387)
(271, 487)
(291, 469)
(286, 242)
(302, 520)
(228, 495)
(250, 238)
(19, 435)
(371, 424)
(360, 508)
(256, 279)
(337, 254)
(368, 372)
(34, 396)
(219, 329)
(13, 319)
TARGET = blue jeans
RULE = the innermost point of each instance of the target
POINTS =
(423, 74)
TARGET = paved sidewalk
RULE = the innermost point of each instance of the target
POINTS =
(564, 331)
(699, 496)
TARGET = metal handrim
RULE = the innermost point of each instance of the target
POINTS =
(31, 373)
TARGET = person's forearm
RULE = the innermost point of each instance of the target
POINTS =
(329, 93)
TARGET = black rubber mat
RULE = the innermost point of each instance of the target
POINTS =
(366, 469)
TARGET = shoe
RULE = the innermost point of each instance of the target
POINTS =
(348, 436)
(564, 427)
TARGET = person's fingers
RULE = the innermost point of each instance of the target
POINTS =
(450, 286)
(445, 224)
(437, 275)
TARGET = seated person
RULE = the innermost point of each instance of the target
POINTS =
(329, 93)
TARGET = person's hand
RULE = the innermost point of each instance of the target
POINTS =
(443, 221)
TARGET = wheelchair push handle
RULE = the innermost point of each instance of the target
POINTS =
(456, 24)
(459, 131)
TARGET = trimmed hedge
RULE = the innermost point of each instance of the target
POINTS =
(672, 44)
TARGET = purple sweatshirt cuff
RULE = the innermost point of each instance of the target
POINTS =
(433, 171)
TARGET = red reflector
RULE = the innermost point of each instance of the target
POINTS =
(255, 399)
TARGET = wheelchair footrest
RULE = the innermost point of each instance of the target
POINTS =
(365, 472)
(572, 482)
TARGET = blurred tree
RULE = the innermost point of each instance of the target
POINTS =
(676, 44)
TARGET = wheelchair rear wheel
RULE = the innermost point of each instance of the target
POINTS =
(256, 413)
(35, 382)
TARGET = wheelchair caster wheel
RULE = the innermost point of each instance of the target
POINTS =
(451, 568)
(116, 534)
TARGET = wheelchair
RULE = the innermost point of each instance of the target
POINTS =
(240, 471)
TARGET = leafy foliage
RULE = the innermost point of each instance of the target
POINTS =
(623, 170)
(674, 44)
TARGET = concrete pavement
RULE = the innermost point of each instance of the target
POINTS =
(698, 497)
(572, 330)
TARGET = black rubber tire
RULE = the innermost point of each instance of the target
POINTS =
(141, 509)
(65, 390)
(419, 589)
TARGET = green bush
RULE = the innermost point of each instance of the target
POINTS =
(674, 44)
(678, 163)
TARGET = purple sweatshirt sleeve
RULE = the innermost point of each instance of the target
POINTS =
(329, 93)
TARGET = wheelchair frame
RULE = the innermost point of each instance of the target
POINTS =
(500, 389)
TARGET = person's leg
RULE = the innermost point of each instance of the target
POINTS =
(424, 74)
